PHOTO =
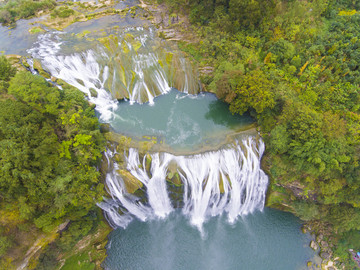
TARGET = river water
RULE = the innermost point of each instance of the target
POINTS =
(268, 240)
(184, 122)
(198, 202)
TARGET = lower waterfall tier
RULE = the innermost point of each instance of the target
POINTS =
(228, 181)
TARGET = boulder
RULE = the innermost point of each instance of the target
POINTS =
(132, 184)
(314, 245)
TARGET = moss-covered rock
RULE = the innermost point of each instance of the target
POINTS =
(38, 67)
(15, 61)
(148, 163)
(93, 92)
(131, 182)
(121, 140)
(36, 30)
(25, 63)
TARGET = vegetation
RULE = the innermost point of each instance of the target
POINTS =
(50, 147)
(62, 12)
(21, 9)
(294, 65)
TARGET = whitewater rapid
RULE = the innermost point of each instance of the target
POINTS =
(133, 65)
(228, 181)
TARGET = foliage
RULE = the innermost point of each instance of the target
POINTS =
(253, 91)
(6, 72)
(21, 9)
(5, 243)
(81, 245)
(50, 145)
(62, 12)
(294, 65)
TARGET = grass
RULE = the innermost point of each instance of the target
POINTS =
(78, 262)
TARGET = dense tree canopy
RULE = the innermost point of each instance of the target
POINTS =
(50, 145)
(294, 65)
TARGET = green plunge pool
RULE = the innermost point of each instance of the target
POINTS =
(180, 120)
(268, 240)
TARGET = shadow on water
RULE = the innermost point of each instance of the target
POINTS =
(219, 114)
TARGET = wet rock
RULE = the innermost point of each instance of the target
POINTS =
(104, 166)
(314, 245)
(25, 63)
(132, 184)
(93, 92)
(148, 163)
(37, 66)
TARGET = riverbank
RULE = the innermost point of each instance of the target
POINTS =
(281, 195)
(251, 57)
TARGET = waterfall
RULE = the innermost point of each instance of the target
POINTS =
(134, 64)
(228, 181)
(81, 70)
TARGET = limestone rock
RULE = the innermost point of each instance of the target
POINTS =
(314, 245)
(131, 182)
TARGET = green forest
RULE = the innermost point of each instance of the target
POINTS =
(46, 133)
(294, 65)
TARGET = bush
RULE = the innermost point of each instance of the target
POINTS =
(62, 12)
(22, 9)
(5, 243)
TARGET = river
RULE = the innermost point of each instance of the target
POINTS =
(193, 195)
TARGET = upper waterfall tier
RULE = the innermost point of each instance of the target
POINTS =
(229, 181)
(133, 64)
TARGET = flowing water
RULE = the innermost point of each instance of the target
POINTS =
(225, 181)
(270, 240)
(194, 200)
(18, 39)
(132, 64)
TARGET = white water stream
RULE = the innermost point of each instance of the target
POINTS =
(127, 68)
(225, 181)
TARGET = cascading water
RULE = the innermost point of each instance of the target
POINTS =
(224, 181)
(138, 66)
(81, 70)
(134, 65)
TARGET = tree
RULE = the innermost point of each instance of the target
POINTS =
(50, 145)
(253, 91)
